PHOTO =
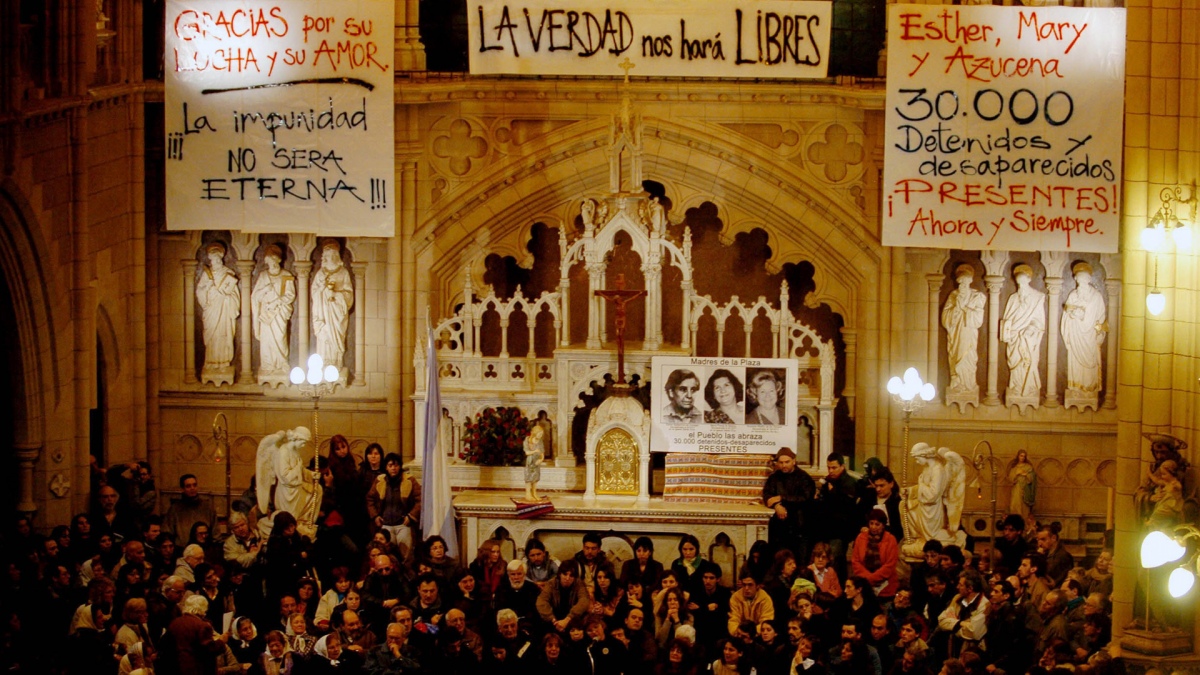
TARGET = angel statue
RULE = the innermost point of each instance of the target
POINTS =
(935, 503)
(279, 464)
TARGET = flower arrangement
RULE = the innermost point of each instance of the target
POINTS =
(496, 437)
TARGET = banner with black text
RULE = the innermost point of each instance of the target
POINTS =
(665, 38)
(279, 117)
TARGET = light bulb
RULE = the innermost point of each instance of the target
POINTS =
(894, 385)
(1156, 302)
(1158, 549)
(927, 391)
(314, 376)
(1180, 582)
(297, 376)
(1182, 234)
(331, 373)
(315, 362)
(1153, 238)
(912, 378)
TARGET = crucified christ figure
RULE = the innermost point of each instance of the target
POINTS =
(620, 297)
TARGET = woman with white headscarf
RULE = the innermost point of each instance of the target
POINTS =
(329, 658)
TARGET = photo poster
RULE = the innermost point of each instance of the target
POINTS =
(666, 38)
(1003, 127)
(723, 405)
(279, 117)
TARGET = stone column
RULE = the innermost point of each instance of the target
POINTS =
(189, 321)
(564, 287)
(934, 282)
(504, 321)
(26, 455)
(850, 339)
(1112, 288)
(994, 283)
(300, 323)
(1054, 262)
(686, 333)
(360, 323)
(245, 270)
(594, 271)
(1054, 289)
(785, 325)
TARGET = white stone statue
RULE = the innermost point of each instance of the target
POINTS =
(1024, 487)
(961, 317)
(1022, 330)
(220, 302)
(935, 503)
(332, 298)
(535, 455)
(1084, 328)
(271, 303)
(588, 213)
(280, 463)
(658, 217)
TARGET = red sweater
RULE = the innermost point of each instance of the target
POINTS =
(889, 555)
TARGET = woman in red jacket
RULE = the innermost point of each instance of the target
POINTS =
(875, 555)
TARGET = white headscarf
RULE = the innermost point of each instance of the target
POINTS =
(234, 626)
(322, 649)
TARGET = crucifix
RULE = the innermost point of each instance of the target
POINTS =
(620, 297)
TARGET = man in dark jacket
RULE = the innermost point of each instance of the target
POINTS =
(712, 608)
(788, 491)
(838, 493)
(590, 558)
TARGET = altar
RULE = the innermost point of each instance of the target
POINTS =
(734, 527)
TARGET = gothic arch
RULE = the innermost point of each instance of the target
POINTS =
(577, 166)
(22, 259)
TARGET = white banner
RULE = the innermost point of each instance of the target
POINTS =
(279, 118)
(680, 38)
(723, 405)
(1004, 127)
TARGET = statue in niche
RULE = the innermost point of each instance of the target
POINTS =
(445, 436)
(1022, 330)
(588, 213)
(653, 215)
(1024, 487)
(272, 301)
(535, 456)
(935, 503)
(804, 440)
(332, 298)
(220, 304)
(961, 317)
(543, 421)
(279, 463)
(1159, 501)
(1084, 328)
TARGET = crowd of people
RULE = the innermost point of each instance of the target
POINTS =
(125, 590)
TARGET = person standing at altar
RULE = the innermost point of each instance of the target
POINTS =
(682, 386)
(789, 492)
(838, 495)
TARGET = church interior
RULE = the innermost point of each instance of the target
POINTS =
(748, 210)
